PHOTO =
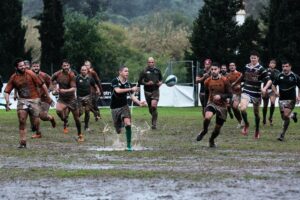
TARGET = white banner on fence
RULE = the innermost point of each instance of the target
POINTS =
(177, 96)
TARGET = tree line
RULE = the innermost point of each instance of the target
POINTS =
(80, 30)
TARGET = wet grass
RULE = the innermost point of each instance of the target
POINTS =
(172, 150)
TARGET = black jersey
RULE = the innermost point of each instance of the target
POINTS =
(253, 78)
(118, 100)
(201, 74)
(273, 73)
(150, 74)
(287, 85)
(83, 85)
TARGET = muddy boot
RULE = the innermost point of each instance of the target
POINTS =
(37, 135)
(281, 137)
(212, 143)
(22, 144)
(201, 135)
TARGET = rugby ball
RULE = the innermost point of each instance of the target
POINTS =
(171, 80)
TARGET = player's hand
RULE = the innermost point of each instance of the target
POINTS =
(217, 98)
(206, 75)
(143, 103)
(198, 78)
(277, 94)
(135, 89)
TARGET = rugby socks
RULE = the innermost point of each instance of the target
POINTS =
(78, 126)
(237, 115)
(86, 119)
(272, 109)
(257, 120)
(154, 117)
(264, 111)
(205, 125)
(285, 126)
(245, 117)
(128, 136)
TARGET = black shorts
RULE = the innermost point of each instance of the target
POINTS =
(219, 121)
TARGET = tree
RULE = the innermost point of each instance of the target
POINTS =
(89, 8)
(214, 31)
(249, 38)
(51, 32)
(11, 35)
(283, 36)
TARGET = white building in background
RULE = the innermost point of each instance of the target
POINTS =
(240, 17)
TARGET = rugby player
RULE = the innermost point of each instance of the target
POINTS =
(217, 89)
(65, 79)
(151, 78)
(203, 75)
(83, 84)
(119, 108)
(254, 75)
(27, 84)
(273, 73)
(287, 81)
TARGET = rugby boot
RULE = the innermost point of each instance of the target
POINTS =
(245, 130)
(212, 143)
(264, 122)
(295, 117)
(271, 121)
(281, 137)
(201, 135)
(22, 144)
(37, 135)
(256, 135)
(80, 138)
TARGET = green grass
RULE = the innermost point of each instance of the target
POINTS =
(172, 150)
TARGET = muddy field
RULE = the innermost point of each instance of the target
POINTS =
(166, 164)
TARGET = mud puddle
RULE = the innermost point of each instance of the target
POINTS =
(134, 189)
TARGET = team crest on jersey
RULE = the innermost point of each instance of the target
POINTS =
(148, 72)
(291, 78)
(281, 77)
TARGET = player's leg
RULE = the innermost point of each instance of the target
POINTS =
(75, 113)
(216, 131)
(235, 107)
(203, 103)
(272, 108)
(245, 100)
(209, 113)
(22, 117)
(286, 108)
(257, 120)
(265, 108)
(62, 113)
(154, 103)
(128, 131)
(44, 114)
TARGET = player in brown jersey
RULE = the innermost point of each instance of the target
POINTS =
(65, 79)
(27, 83)
(44, 102)
(233, 78)
(94, 93)
(201, 77)
(217, 89)
(151, 78)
